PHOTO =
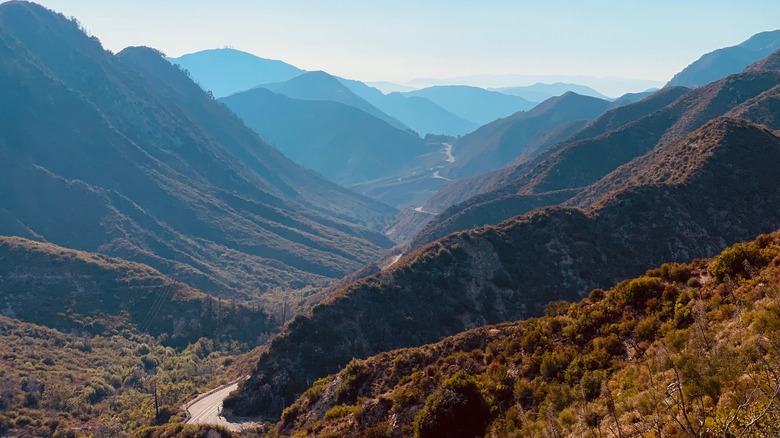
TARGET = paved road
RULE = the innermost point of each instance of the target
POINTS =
(448, 152)
(207, 411)
(393, 261)
(420, 210)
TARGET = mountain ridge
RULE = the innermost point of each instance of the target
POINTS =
(211, 67)
(341, 142)
(162, 174)
(728, 60)
(480, 276)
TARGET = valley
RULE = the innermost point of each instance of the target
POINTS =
(210, 243)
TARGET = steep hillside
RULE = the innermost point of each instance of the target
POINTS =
(318, 85)
(339, 141)
(685, 350)
(126, 156)
(228, 71)
(498, 143)
(694, 198)
(729, 60)
(599, 149)
(472, 103)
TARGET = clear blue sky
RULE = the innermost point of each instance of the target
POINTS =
(400, 40)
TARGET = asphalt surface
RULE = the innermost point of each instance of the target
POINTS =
(207, 410)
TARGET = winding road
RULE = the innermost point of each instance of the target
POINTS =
(448, 152)
(207, 409)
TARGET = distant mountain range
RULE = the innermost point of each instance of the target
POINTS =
(319, 85)
(542, 92)
(610, 86)
(729, 60)
(228, 71)
(448, 110)
(472, 103)
(125, 155)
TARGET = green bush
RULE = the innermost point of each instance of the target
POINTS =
(353, 376)
(636, 291)
(739, 259)
(339, 411)
(456, 409)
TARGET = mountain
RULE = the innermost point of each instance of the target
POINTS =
(541, 92)
(228, 71)
(420, 114)
(424, 116)
(487, 198)
(636, 97)
(126, 156)
(729, 60)
(640, 357)
(587, 156)
(609, 85)
(390, 87)
(472, 103)
(70, 290)
(318, 85)
(340, 142)
(717, 186)
(519, 135)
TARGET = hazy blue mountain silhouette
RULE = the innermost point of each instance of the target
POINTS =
(227, 71)
(422, 115)
(729, 60)
(318, 85)
(473, 103)
(635, 97)
(541, 92)
(339, 141)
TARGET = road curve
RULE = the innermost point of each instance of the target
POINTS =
(207, 409)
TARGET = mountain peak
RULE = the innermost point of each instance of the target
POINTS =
(318, 85)
(726, 61)
(763, 40)
(142, 52)
(228, 71)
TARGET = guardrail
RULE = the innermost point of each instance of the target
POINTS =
(206, 394)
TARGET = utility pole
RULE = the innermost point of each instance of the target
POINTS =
(156, 402)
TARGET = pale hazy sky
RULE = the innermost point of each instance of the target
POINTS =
(400, 40)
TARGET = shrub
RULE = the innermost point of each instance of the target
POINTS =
(339, 412)
(738, 260)
(353, 376)
(456, 409)
(677, 272)
(638, 290)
